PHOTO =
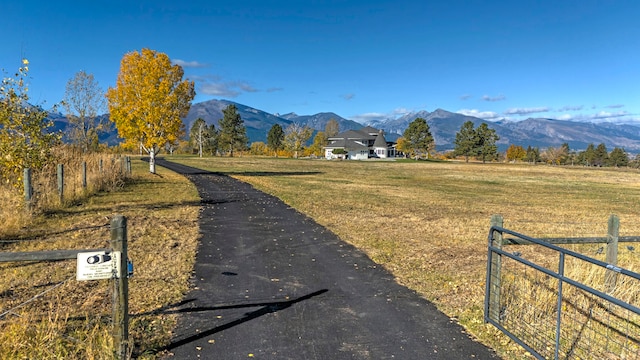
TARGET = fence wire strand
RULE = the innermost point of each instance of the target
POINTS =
(35, 297)
(42, 236)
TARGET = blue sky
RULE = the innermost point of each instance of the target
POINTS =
(573, 60)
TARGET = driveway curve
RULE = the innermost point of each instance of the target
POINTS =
(271, 283)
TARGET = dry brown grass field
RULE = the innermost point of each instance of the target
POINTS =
(72, 319)
(427, 222)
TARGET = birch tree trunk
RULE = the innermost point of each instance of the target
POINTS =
(152, 160)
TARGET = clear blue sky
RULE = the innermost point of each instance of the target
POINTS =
(577, 60)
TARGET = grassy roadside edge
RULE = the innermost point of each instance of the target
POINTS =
(163, 235)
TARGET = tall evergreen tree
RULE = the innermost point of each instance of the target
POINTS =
(486, 144)
(618, 157)
(210, 146)
(601, 156)
(233, 134)
(476, 142)
(465, 142)
(588, 156)
(275, 138)
(419, 138)
(533, 155)
(570, 156)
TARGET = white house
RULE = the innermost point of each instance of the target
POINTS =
(360, 144)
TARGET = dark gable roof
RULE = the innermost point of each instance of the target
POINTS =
(380, 142)
(346, 144)
(366, 133)
(369, 130)
(347, 139)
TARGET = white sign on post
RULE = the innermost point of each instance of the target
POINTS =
(98, 265)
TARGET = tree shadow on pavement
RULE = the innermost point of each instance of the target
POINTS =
(265, 308)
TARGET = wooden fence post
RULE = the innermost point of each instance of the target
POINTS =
(84, 175)
(61, 181)
(28, 189)
(496, 269)
(613, 232)
(120, 288)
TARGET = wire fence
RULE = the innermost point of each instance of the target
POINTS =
(41, 235)
(41, 300)
(556, 303)
(39, 295)
(73, 179)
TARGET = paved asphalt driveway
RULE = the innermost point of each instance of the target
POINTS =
(270, 283)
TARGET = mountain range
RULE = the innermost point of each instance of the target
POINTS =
(535, 132)
(258, 122)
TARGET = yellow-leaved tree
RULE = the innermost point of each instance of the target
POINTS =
(26, 137)
(149, 100)
(404, 146)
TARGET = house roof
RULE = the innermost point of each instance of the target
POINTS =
(369, 130)
(346, 144)
(380, 142)
(353, 134)
(353, 139)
